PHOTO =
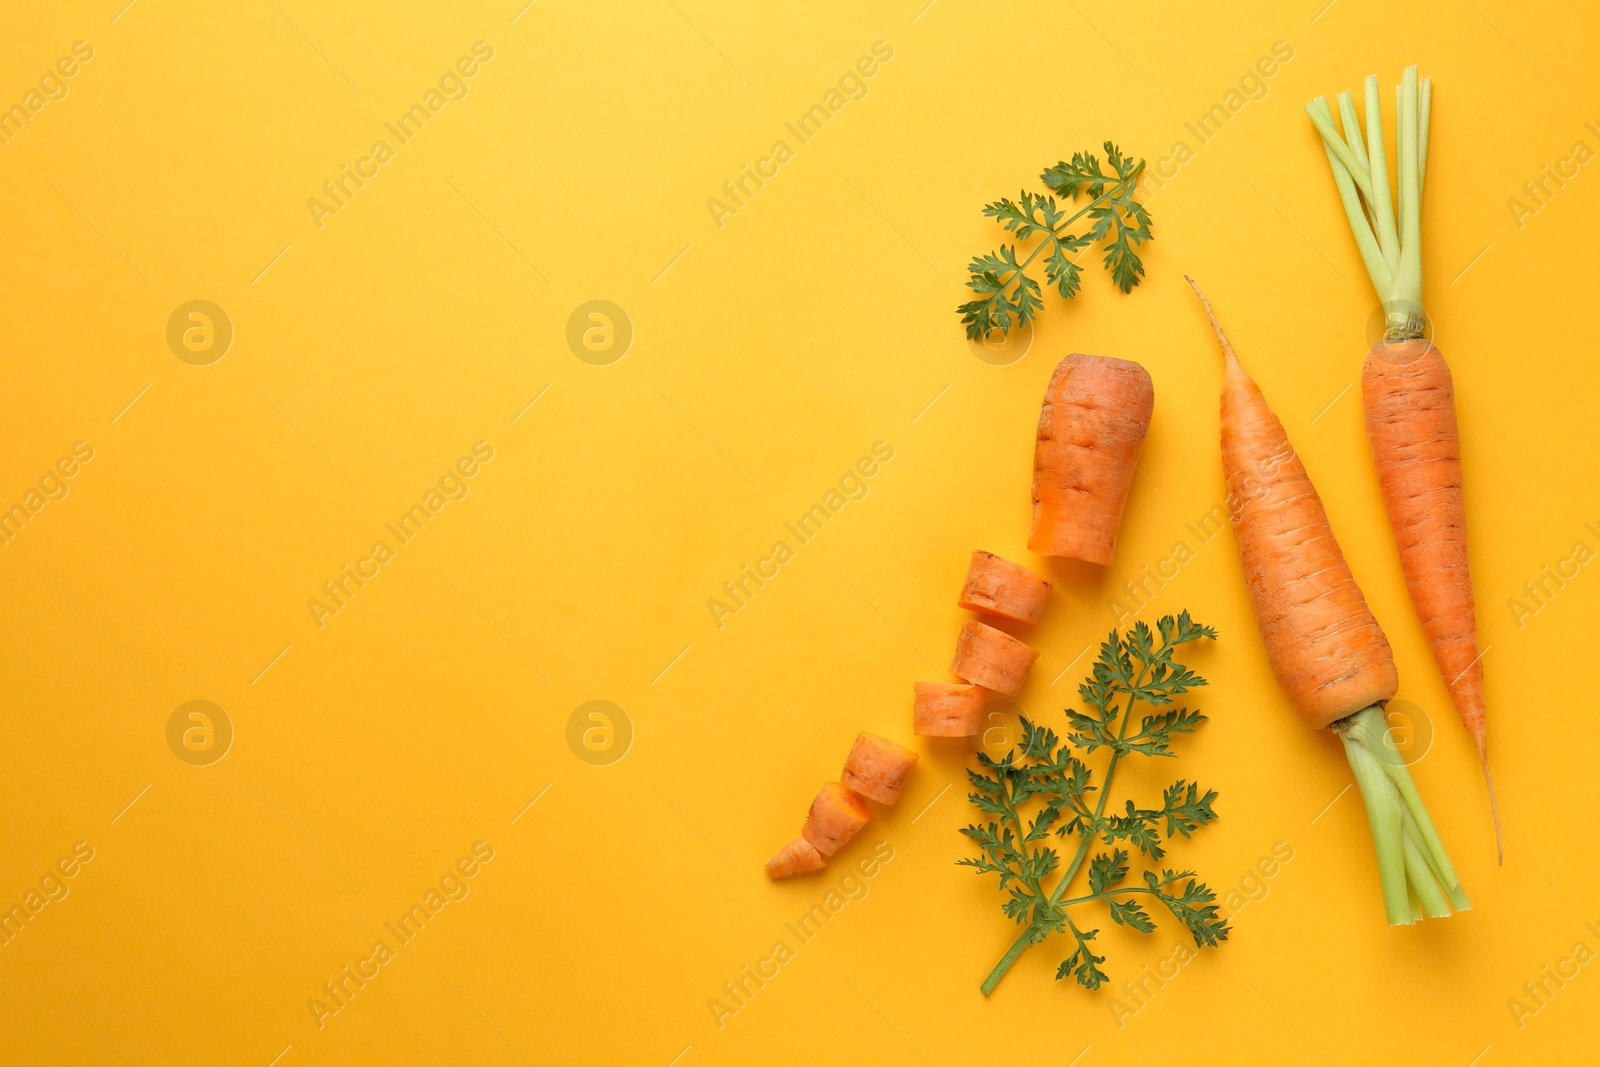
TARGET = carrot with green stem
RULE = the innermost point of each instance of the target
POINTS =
(1407, 392)
(1328, 652)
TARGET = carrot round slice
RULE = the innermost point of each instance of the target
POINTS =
(992, 658)
(943, 709)
(797, 857)
(877, 768)
(996, 586)
(836, 815)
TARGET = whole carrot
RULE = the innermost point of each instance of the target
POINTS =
(1407, 392)
(1327, 650)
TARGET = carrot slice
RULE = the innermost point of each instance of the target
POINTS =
(941, 709)
(877, 768)
(996, 586)
(1091, 427)
(835, 816)
(991, 658)
(797, 857)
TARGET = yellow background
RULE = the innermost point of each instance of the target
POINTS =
(768, 355)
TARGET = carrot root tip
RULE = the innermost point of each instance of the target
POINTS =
(1494, 812)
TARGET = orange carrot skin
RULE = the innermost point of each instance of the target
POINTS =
(797, 857)
(944, 710)
(877, 768)
(991, 658)
(1091, 427)
(836, 815)
(997, 586)
(1325, 647)
(1409, 399)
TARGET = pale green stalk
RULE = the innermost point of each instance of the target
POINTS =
(1414, 870)
(1390, 244)
(1344, 178)
(1377, 152)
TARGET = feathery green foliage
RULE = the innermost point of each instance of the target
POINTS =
(1007, 295)
(1041, 790)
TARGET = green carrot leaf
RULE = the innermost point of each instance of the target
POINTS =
(1129, 913)
(1107, 869)
(1187, 812)
(1083, 964)
(1008, 296)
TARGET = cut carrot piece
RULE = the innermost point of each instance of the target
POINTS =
(877, 768)
(991, 658)
(996, 586)
(797, 857)
(835, 816)
(1091, 427)
(941, 709)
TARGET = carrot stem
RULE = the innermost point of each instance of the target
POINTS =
(1034, 931)
(1377, 153)
(1408, 279)
(1412, 860)
(1420, 876)
(1366, 241)
(1390, 245)
(1383, 817)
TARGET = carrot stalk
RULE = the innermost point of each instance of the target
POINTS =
(1400, 822)
(1383, 816)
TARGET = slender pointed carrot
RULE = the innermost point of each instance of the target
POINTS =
(1408, 395)
(1327, 650)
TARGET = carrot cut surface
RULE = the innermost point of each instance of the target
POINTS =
(996, 586)
(877, 768)
(992, 658)
(1091, 426)
(836, 815)
(943, 709)
(797, 857)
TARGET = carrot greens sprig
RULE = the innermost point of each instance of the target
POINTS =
(1042, 789)
(1007, 296)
